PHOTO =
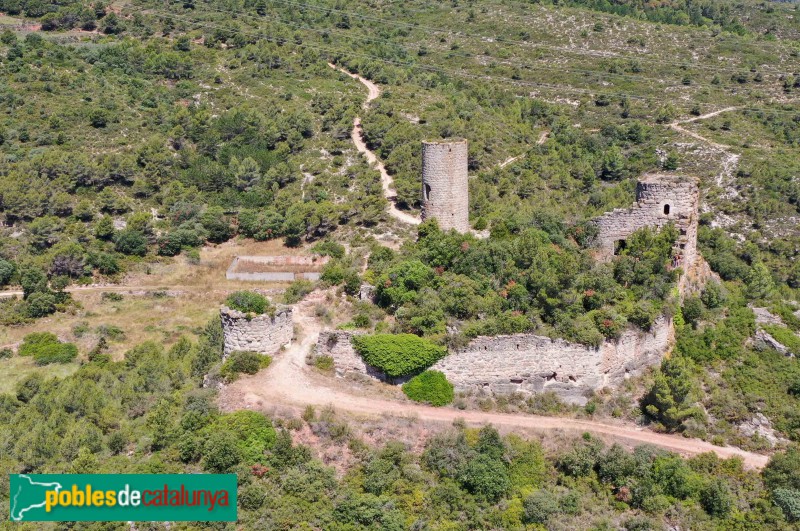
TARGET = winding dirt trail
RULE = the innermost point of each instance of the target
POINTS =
(289, 381)
(731, 160)
(539, 141)
(357, 135)
(676, 126)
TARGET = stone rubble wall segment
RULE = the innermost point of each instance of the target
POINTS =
(264, 334)
(527, 363)
(653, 193)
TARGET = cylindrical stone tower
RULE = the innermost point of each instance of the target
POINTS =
(445, 185)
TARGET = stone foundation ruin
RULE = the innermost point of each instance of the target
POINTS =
(265, 334)
(527, 363)
(276, 268)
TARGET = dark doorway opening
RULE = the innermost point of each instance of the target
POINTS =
(426, 191)
(619, 246)
(666, 210)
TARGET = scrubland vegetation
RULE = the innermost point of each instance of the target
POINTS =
(134, 134)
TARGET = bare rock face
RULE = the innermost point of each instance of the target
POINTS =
(265, 334)
(763, 340)
(366, 292)
(761, 426)
(764, 316)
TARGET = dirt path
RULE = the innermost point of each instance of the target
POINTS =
(289, 381)
(133, 289)
(541, 140)
(731, 160)
(357, 135)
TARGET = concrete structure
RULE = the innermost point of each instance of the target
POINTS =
(276, 268)
(265, 334)
(527, 363)
(445, 184)
(660, 199)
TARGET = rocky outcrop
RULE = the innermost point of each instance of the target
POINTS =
(761, 426)
(265, 334)
(762, 340)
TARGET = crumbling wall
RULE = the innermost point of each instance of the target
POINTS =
(346, 360)
(445, 184)
(265, 334)
(528, 363)
(660, 199)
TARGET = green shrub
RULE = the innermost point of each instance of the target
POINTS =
(110, 296)
(246, 362)
(6, 272)
(539, 506)
(329, 248)
(430, 387)
(6, 353)
(324, 363)
(486, 477)
(32, 342)
(398, 354)
(131, 242)
(297, 290)
(41, 304)
(56, 353)
(789, 502)
(248, 302)
(253, 433)
(46, 348)
(785, 337)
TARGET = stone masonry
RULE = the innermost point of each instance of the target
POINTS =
(528, 363)
(660, 199)
(265, 334)
(445, 184)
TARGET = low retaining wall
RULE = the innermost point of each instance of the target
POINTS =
(528, 363)
(276, 268)
(262, 333)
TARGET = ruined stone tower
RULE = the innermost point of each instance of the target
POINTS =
(660, 199)
(445, 184)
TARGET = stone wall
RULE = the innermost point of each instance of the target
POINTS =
(660, 199)
(528, 363)
(261, 333)
(445, 184)
(283, 268)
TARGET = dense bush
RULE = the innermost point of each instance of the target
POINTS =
(246, 362)
(248, 302)
(41, 304)
(46, 348)
(398, 354)
(430, 387)
(6, 271)
(297, 290)
(131, 242)
(674, 395)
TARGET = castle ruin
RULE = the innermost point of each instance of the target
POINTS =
(660, 199)
(445, 184)
(265, 334)
(530, 363)
(526, 363)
